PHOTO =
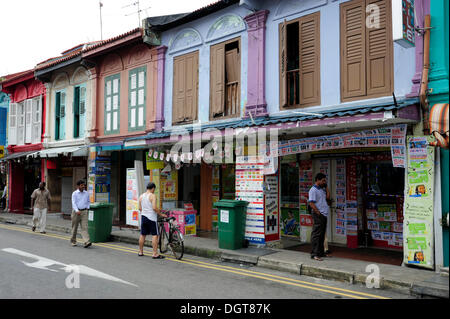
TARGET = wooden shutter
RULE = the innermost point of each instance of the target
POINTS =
(62, 110)
(353, 40)
(28, 120)
(76, 112)
(57, 114)
(309, 57)
(82, 111)
(21, 123)
(179, 89)
(282, 28)
(379, 50)
(191, 88)
(37, 115)
(217, 80)
(12, 134)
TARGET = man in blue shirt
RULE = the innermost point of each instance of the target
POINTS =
(318, 196)
(80, 211)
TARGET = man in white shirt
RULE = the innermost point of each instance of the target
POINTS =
(80, 210)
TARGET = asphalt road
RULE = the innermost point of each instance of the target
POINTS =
(46, 266)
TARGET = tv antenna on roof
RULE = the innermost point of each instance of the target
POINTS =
(139, 10)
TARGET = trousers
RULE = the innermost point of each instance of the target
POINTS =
(318, 235)
(82, 220)
(40, 218)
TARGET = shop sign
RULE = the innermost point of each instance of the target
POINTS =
(2, 151)
(403, 28)
(153, 163)
(418, 206)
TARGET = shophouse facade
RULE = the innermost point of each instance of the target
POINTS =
(26, 126)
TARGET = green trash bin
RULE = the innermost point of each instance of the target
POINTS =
(231, 220)
(100, 221)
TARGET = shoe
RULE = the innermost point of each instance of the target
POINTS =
(33, 228)
(43, 232)
(158, 257)
(74, 244)
(140, 255)
(316, 258)
(87, 245)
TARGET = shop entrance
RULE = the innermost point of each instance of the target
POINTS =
(32, 178)
(189, 185)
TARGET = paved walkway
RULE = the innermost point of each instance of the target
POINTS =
(407, 280)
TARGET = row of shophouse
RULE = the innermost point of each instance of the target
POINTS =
(342, 90)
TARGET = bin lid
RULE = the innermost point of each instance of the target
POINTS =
(230, 203)
(100, 205)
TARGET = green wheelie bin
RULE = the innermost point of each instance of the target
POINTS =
(231, 220)
(100, 221)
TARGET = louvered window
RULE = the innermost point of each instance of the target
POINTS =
(225, 76)
(112, 104)
(300, 62)
(60, 115)
(366, 49)
(136, 99)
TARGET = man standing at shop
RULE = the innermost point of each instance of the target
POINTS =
(318, 196)
(80, 211)
(149, 220)
(40, 201)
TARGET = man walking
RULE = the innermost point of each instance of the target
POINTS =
(318, 196)
(80, 210)
(149, 220)
(40, 201)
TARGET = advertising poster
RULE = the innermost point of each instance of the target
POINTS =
(418, 205)
(271, 207)
(249, 187)
(340, 198)
(169, 185)
(132, 212)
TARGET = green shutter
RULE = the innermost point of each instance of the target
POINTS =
(137, 82)
(76, 112)
(57, 114)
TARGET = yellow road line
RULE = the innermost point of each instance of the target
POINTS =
(243, 272)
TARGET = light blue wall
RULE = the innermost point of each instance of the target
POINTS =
(202, 26)
(4, 105)
(404, 59)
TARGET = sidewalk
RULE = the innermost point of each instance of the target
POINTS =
(406, 280)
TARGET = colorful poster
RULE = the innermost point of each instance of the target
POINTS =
(398, 146)
(418, 206)
(132, 197)
(249, 187)
(341, 191)
(271, 207)
(215, 196)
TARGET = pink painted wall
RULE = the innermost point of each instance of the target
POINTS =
(122, 61)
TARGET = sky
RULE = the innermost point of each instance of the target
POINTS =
(32, 31)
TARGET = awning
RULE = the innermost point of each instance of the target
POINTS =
(439, 124)
(16, 155)
(54, 152)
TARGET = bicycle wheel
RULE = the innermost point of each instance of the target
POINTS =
(163, 239)
(176, 243)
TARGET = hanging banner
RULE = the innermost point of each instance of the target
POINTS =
(418, 206)
(381, 137)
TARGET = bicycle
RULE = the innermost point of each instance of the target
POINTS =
(173, 240)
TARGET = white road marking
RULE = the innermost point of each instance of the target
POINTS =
(44, 263)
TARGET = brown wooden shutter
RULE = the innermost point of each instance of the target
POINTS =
(309, 54)
(217, 80)
(353, 39)
(179, 88)
(379, 50)
(191, 88)
(283, 63)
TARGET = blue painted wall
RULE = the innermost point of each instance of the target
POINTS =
(4, 104)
